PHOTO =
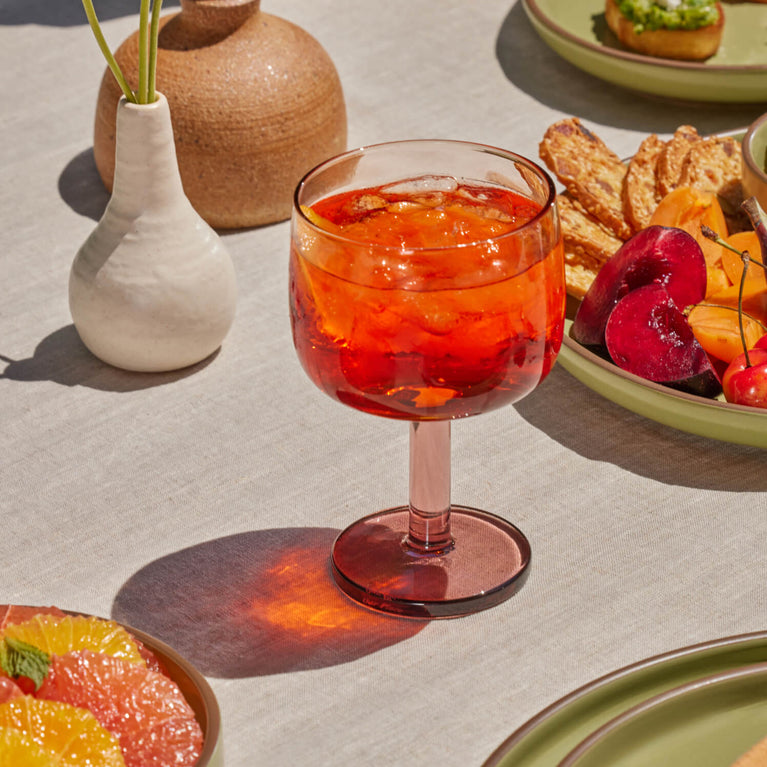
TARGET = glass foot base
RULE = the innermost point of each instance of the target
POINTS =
(488, 563)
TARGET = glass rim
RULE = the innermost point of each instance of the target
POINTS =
(546, 207)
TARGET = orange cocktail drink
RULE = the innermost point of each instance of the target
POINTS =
(415, 304)
(427, 284)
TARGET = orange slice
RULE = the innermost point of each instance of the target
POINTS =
(19, 750)
(70, 736)
(57, 636)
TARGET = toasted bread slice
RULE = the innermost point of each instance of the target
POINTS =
(588, 244)
(640, 190)
(672, 158)
(582, 233)
(681, 44)
(714, 165)
(592, 173)
(579, 274)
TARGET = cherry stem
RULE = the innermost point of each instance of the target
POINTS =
(746, 261)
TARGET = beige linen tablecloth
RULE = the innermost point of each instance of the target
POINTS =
(200, 506)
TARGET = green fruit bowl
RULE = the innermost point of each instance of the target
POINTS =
(710, 418)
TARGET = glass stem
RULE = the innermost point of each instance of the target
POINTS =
(429, 526)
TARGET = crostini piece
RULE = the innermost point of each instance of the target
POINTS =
(689, 30)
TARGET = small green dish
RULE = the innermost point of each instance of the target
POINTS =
(552, 734)
(737, 73)
(710, 722)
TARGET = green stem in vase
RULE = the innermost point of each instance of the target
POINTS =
(111, 63)
(143, 53)
(147, 58)
(154, 34)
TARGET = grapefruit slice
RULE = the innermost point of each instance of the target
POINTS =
(70, 736)
(144, 709)
(9, 690)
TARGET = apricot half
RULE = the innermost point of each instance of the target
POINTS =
(733, 263)
(718, 331)
(690, 209)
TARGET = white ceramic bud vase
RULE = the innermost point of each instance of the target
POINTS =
(153, 287)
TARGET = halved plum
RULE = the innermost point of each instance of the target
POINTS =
(657, 255)
(648, 334)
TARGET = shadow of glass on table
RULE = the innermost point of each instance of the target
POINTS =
(256, 603)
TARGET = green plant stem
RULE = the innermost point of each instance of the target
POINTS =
(153, 37)
(111, 62)
(143, 53)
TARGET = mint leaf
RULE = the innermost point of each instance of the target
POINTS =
(18, 658)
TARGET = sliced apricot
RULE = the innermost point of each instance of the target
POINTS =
(754, 301)
(717, 279)
(689, 209)
(717, 330)
(733, 263)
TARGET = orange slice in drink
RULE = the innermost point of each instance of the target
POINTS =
(318, 220)
(70, 736)
(144, 709)
(57, 636)
(317, 260)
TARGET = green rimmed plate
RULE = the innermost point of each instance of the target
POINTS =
(710, 722)
(687, 412)
(577, 31)
(549, 737)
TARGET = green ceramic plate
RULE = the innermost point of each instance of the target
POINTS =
(715, 419)
(707, 723)
(697, 415)
(549, 737)
(577, 31)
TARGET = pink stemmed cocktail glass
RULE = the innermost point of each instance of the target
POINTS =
(427, 284)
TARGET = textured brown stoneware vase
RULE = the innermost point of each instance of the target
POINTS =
(255, 101)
